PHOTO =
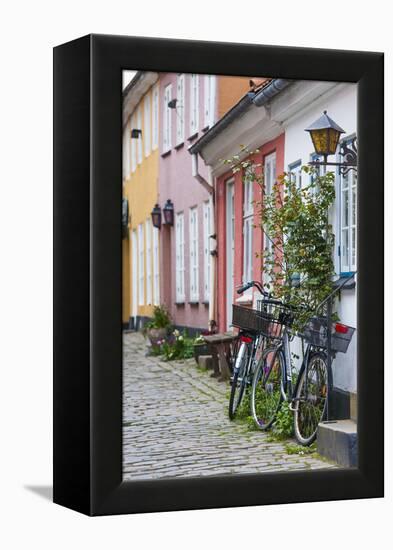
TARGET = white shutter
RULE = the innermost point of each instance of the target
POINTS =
(156, 267)
(147, 125)
(180, 295)
(141, 265)
(194, 253)
(180, 110)
(209, 100)
(155, 118)
(206, 249)
(133, 145)
(194, 103)
(148, 262)
(140, 137)
(167, 138)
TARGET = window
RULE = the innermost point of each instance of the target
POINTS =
(167, 123)
(126, 151)
(295, 173)
(180, 109)
(140, 137)
(348, 219)
(206, 248)
(147, 125)
(194, 270)
(270, 178)
(248, 215)
(209, 100)
(156, 267)
(141, 266)
(148, 262)
(155, 118)
(133, 145)
(180, 294)
(194, 103)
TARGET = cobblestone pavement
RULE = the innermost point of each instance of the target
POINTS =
(175, 424)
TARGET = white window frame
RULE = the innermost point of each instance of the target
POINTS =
(248, 229)
(141, 266)
(194, 254)
(348, 220)
(295, 171)
(155, 118)
(167, 122)
(179, 237)
(133, 144)
(207, 206)
(149, 280)
(209, 100)
(156, 267)
(180, 108)
(140, 136)
(270, 175)
(147, 124)
(126, 151)
(194, 104)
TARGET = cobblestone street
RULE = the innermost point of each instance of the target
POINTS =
(175, 424)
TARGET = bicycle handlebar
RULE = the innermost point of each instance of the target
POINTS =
(250, 284)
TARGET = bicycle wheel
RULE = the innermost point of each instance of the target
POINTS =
(311, 399)
(239, 378)
(266, 395)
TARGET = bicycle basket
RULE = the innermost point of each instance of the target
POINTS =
(315, 333)
(274, 317)
(246, 318)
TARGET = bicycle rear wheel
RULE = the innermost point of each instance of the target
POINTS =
(311, 399)
(239, 378)
(266, 395)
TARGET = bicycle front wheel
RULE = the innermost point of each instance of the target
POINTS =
(311, 399)
(266, 394)
(239, 378)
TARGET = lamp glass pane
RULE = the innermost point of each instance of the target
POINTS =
(320, 140)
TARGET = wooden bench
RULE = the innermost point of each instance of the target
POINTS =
(220, 348)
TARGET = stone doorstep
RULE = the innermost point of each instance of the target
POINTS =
(337, 440)
(205, 361)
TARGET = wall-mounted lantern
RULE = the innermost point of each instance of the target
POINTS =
(136, 133)
(156, 216)
(325, 135)
(168, 213)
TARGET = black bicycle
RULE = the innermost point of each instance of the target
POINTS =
(273, 381)
(247, 349)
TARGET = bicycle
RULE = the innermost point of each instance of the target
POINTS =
(248, 343)
(272, 381)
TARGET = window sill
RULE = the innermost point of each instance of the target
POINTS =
(247, 299)
(179, 145)
(349, 285)
(205, 302)
(193, 136)
(180, 303)
(193, 302)
(166, 153)
(206, 128)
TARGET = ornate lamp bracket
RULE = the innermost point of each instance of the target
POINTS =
(350, 156)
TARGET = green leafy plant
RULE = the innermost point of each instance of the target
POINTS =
(292, 449)
(283, 425)
(295, 220)
(180, 346)
(161, 319)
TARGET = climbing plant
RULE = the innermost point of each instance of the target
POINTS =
(295, 221)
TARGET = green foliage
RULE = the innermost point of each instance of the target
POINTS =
(293, 449)
(295, 222)
(161, 318)
(283, 425)
(179, 347)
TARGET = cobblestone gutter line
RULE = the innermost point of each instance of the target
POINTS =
(175, 424)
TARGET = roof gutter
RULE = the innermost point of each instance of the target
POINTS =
(272, 89)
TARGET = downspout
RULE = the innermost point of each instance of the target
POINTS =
(212, 238)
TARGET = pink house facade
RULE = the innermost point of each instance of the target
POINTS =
(190, 104)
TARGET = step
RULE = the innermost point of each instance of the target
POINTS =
(337, 440)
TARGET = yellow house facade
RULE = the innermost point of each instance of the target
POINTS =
(140, 193)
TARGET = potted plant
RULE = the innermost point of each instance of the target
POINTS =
(158, 328)
(200, 346)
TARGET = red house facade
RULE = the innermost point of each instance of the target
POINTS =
(240, 240)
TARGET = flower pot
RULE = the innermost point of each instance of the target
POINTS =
(156, 335)
(200, 349)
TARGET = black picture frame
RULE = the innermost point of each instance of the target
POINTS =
(87, 274)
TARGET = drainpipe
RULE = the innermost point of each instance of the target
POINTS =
(212, 239)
